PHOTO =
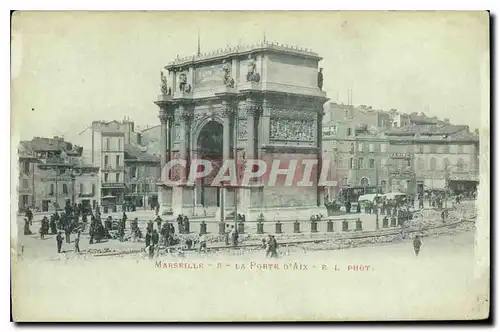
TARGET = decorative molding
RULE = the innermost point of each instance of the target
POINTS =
(291, 112)
(293, 130)
(242, 129)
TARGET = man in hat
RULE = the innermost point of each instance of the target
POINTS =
(158, 222)
(203, 243)
(59, 240)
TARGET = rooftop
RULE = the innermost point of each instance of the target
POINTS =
(243, 50)
(39, 144)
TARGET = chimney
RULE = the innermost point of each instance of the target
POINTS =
(447, 121)
(476, 132)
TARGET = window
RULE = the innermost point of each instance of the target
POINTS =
(81, 187)
(134, 188)
(117, 177)
(460, 149)
(446, 148)
(383, 147)
(351, 163)
(383, 162)
(421, 148)
(372, 163)
(349, 131)
(105, 177)
(345, 181)
(360, 147)
(25, 184)
(65, 189)
(371, 147)
(351, 148)
(108, 141)
(364, 182)
(106, 161)
(93, 189)
(26, 167)
(383, 185)
(133, 171)
(420, 164)
(119, 144)
(460, 164)
(432, 166)
(146, 187)
(360, 163)
(51, 189)
(117, 161)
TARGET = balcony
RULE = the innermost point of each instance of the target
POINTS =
(116, 185)
(111, 168)
(24, 191)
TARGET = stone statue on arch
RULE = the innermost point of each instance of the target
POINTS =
(183, 84)
(228, 80)
(252, 74)
(165, 90)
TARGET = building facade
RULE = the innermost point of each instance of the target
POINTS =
(443, 156)
(142, 174)
(103, 145)
(412, 152)
(52, 173)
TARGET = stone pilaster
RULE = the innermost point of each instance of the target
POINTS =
(183, 195)
(250, 195)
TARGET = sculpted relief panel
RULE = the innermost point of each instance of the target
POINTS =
(293, 130)
(210, 76)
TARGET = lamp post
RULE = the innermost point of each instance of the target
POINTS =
(73, 177)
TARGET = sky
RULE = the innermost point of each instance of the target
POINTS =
(70, 68)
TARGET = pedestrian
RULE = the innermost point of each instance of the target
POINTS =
(148, 238)
(268, 246)
(185, 223)
(417, 243)
(59, 239)
(150, 226)
(42, 230)
(29, 215)
(27, 230)
(67, 230)
(227, 233)
(155, 237)
(77, 242)
(53, 226)
(158, 222)
(203, 243)
(274, 248)
(234, 236)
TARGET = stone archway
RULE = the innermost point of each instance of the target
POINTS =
(209, 146)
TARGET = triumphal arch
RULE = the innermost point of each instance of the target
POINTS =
(262, 102)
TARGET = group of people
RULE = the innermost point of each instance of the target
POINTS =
(271, 246)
